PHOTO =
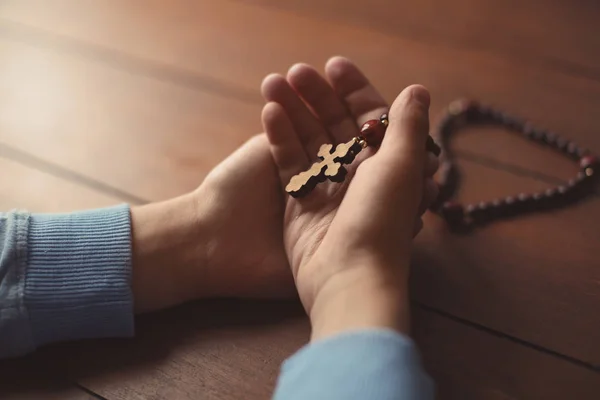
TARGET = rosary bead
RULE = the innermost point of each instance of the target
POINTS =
(550, 198)
(524, 202)
(588, 162)
(511, 123)
(373, 132)
(462, 106)
(479, 212)
(550, 138)
(453, 212)
(523, 197)
(537, 197)
(561, 144)
(573, 150)
(511, 206)
(496, 208)
(465, 112)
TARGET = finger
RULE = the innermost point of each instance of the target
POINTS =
(358, 94)
(430, 193)
(321, 98)
(310, 131)
(389, 185)
(431, 164)
(286, 148)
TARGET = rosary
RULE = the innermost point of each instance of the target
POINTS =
(460, 114)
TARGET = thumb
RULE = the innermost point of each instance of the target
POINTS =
(401, 159)
(390, 183)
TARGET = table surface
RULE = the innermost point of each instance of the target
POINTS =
(135, 101)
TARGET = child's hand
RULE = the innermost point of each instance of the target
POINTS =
(348, 244)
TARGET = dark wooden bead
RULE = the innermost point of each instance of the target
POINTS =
(463, 106)
(524, 202)
(566, 192)
(550, 198)
(524, 198)
(511, 123)
(453, 212)
(573, 150)
(561, 144)
(528, 129)
(550, 138)
(473, 212)
(373, 132)
(497, 208)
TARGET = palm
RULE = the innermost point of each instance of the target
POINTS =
(306, 111)
(249, 214)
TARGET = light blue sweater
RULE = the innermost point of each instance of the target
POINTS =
(67, 276)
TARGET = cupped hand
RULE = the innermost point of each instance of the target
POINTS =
(344, 234)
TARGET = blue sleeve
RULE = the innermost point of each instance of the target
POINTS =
(64, 277)
(366, 364)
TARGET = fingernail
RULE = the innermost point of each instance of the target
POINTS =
(421, 94)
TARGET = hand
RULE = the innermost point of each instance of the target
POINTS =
(223, 240)
(348, 244)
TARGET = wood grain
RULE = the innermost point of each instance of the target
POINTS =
(469, 364)
(37, 191)
(139, 135)
(535, 277)
(210, 32)
(547, 34)
(232, 350)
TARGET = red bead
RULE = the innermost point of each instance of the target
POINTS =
(588, 161)
(373, 132)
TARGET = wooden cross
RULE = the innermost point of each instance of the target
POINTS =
(329, 167)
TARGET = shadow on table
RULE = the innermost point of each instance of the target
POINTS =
(205, 330)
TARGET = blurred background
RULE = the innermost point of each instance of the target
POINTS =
(112, 101)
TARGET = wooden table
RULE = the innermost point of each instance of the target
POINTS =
(122, 100)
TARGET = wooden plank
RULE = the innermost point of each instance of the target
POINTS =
(215, 41)
(534, 277)
(469, 364)
(165, 118)
(232, 350)
(559, 34)
(142, 136)
(37, 191)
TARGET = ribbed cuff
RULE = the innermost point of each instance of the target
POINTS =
(78, 275)
(361, 364)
